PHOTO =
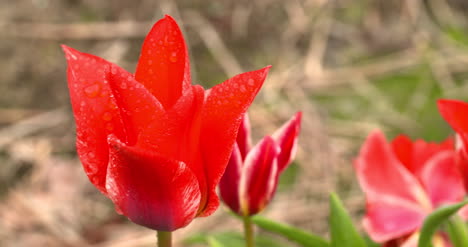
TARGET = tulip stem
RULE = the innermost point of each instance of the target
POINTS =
(248, 231)
(164, 239)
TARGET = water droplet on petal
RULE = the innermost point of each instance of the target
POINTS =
(242, 88)
(91, 155)
(150, 62)
(251, 82)
(123, 85)
(173, 57)
(107, 116)
(118, 210)
(109, 127)
(93, 90)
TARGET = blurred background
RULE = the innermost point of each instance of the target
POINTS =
(350, 66)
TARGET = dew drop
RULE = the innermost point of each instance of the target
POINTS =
(73, 56)
(251, 82)
(107, 116)
(93, 90)
(150, 71)
(93, 170)
(91, 155)
(104, 94)
(166, 40)
(173, 57)
(123, 85)
(109, 127)
(113, 70)
(150, 62)
(160, 42)
(242, 88)
(112, 105)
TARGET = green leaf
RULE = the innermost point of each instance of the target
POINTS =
(231, 239)
(293, 234)
(434, 220)
(213, 242)
(458, 232)
(370, 242)
(343, 232)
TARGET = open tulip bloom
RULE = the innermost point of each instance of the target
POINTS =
(152, 142)
(404, 181)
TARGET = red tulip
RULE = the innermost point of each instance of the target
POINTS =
(156, 145)
(404, 181)
(251, 177)
(456, 114)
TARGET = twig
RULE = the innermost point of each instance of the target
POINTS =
(31, 125)
(92, 30)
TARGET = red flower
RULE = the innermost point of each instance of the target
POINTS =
(456, 114)
(251, 177)
(404, 181)
(156, 145)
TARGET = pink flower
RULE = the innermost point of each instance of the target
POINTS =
(251, 177)
(404, 181)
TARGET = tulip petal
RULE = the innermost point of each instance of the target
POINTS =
(95, 110)
(225, 105)
(164, 66)
(229, 183)
(381, 174)
(259, 176)
(390, 218)
(286, 137)
(442, 179)
(438, 240)
(138, 107)
(177, 134)
(244, 140)
(462, 164)
(151, 190)
(415, 154)
(403, 149)
(455, 112)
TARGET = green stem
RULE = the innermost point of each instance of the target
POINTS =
(164, 239)
(248, 231)
(458, 232)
